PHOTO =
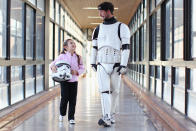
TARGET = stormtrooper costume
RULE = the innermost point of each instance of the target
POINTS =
(109, 56)
(63, 72)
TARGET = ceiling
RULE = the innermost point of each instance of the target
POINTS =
(125, 11)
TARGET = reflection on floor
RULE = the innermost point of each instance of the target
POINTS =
(130, 116)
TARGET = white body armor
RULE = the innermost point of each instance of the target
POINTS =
(109, 44)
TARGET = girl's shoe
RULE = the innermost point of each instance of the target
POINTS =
(60, 118)
(72, 121)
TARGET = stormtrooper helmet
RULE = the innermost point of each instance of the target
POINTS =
(63, 72)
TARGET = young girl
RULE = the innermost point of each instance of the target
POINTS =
(69, 88)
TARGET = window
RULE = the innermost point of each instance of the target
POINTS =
(179, 89)
(29, 32)
(152, 86)
(158, 33)
(39, 37)
(152, 5)
(3, 5)
(193, 33)
(16, 27)
(57, 43)
(33, 1)
(57, 12)
(17, 84)
(62, 40)
(158, 82)
(167, 84)
(3, 87)
(39, 78)
(52, 9)
(62, 17)
(142, 13)
(153, 37)
(137, 46)
(178, 29)
(141, 48)
(168, 29)
(41, 5)
(30, 81)
(157, 2)
(191, 96)
(51, 40)
(145, 8)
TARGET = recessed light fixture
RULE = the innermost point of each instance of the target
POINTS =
(94, 17)
(94, 8)
(95, 23)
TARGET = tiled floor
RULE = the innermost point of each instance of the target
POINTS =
(130, 116)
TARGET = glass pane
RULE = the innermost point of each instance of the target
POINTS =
(57, 12)
(52, 9)
(32, 1)
(191, 106)
(168, 29)
(145, 9)
(179, 91)
(157, 2)
(17, 92)
(193, 79)
(17, 84)
(51, 82)
(152, 5)
(29, 71)
(180, 77)
(16, 73)
(39, 84)
(158, 33)
(193, 48)
(152, 71)
(3, 96)
(57, 42)
(3, 5)
(16, 27)
(39, 70)
(51, 41)
(158, 72)
(167, 73)
(167, 84)
(152, 89)
(29, 32)
(62, 40)
(153, 36)
(158, 88)
(3, 74)
(179, 99)
(137, 45)
(62, 17)
(39, 37)
(41, 5)
(39, 78)
(178, 29)
(30, 81)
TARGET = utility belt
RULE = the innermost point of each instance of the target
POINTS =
(108, 55)
(115, 65)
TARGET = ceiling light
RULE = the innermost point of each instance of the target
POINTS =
(95, 23)
(94, 17)
(94, 8)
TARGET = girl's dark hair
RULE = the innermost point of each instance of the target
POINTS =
(65, 43)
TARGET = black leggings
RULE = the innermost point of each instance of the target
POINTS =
(68, 94)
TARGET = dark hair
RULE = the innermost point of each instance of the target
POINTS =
(106, 6)
(65, 43)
